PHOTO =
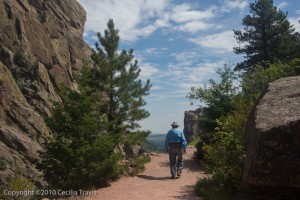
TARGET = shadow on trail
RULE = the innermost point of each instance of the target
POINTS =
(165, 163)
(153, 177)
(192, 165)
(188, 193)
(189, 164)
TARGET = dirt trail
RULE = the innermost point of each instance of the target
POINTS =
(155, 182)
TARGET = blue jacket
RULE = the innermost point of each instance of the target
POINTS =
(175, 135)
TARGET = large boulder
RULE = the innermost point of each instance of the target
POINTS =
(273, 138)
(191, 124)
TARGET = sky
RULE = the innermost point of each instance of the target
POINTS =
(179, 44)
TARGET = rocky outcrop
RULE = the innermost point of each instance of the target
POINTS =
(273, 138)
(41, 48)
(191, 125)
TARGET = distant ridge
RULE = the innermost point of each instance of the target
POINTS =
(158, 133)
(155, 142)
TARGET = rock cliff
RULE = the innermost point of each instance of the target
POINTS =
(273, 138)
(191, 125)
(41, 47)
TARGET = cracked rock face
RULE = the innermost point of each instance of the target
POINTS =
(191, 125)
(41, 47)
(273, 138)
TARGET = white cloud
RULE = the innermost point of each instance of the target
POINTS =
(234, 4)
(204, 71)
(171, 94)
(295, 22)
(151, 50)
(185, 56)
(185, 76)
(282, 5)
(140, 18)
(134, 18)
(153, 8)
(190, 20)
(187, 86)
(195, 26)
(185, 13)
(148, 71)
(155, 87)
(223, 42)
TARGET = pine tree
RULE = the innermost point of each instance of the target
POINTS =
(267, 37)
(88, 125)
(116, 75)
(80, 154)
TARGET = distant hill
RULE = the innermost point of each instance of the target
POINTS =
(155, 142)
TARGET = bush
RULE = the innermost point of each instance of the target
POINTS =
(255, 82)
(294, 67)
(195, 141)
(80, 155)
(136, 164)
(2, 164)
(209, 189)
(78, 164)
(20, 60)
(200, 152)
(20, 184)
(223, 159)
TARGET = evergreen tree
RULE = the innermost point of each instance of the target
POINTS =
(117, 76)
(80, 154)
(267, 37)
(88, 125)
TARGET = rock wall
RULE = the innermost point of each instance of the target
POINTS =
(191, 126)
(273, 138)
(41, 47)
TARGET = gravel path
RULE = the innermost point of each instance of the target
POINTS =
(155, 182)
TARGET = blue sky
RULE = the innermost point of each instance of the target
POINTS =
(179, 44)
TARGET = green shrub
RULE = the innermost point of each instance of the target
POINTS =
(255, 82)
(218, 97)
(198, 143)
(20, 60)
(80, 155)
(223, 155)
(20, 184)
(136, 164)
(209, 189)
(2, 164)
(31, 2)
(42, 17)
(194, 142)
(200, 152)
(78, 164)
(294, 67)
